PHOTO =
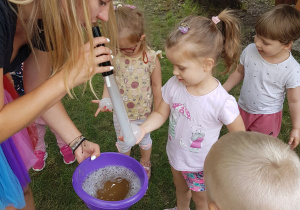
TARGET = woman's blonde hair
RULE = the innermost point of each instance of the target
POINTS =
(249, 170)
(130, 18)
(64, 34)
(207, 40)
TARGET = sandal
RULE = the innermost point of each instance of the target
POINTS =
(147, 167)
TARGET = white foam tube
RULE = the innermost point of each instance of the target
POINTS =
(119, 109)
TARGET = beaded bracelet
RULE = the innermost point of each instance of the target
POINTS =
(77, 142)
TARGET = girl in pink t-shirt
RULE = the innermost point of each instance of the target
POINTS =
(195, 102)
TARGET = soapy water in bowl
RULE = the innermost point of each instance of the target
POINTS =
(97, 180)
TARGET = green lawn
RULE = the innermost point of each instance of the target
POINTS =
(52, 187)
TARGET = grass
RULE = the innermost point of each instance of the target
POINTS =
(52, 187)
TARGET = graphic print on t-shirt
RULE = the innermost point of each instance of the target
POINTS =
(178, 110)
(196, 140)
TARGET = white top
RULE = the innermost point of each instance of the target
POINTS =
(195, 123)
(265, 84)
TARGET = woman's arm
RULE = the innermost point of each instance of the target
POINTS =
(37, 70)
(236, 125)
(294, 106)
(35, 74)
(156, 82)
(235, 78)
(19, 113)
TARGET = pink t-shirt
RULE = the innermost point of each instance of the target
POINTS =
(195, 123)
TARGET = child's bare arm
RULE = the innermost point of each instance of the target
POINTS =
(235, 78)
(236, 125)
(294, 106)
(156, 82)
(157, 118)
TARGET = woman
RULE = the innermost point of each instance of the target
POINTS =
(48, 37)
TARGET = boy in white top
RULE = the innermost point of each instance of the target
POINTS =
(269, 71)
(252, 171)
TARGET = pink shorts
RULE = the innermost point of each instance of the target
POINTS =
(194, 180)
(269, 124)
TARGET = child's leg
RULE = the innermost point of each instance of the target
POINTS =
(145, 159)
(200, 200)
(146, 149)
(60, 142)
(40, 148)
(183, 193)
(41, 131)
(64, 149)
(145, 154)
(145, 144)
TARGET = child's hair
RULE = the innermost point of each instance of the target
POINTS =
(249, 170)
(281, 23)
(129, 18)
(206, 40)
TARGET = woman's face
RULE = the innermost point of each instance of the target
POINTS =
(99, 10)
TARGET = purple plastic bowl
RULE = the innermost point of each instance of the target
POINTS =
(108, 159)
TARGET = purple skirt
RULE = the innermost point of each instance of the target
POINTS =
(15, 161)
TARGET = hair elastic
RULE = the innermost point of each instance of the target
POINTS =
(184, 28)
(127, 5)
(215, 19)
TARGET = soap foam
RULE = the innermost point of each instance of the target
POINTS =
(98, 178)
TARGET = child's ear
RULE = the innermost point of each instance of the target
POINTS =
(288, 46)
(143, 37)
(208, 64)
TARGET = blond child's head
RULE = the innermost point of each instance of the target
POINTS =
(131, 29)
(249, 170)
(198, 38)
(281, 23)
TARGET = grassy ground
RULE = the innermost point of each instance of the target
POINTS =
(52, 187)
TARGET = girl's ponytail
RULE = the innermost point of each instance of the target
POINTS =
(231, 30)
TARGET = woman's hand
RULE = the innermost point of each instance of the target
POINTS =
(88, 64)
(87, 149)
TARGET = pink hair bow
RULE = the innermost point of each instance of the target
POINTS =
(215, 19)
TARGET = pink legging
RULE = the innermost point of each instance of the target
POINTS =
(41, 131)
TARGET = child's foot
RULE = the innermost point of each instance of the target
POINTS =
(147, 167)
(41, 163)
(67, 154)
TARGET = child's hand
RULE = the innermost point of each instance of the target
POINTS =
(140, 136)
(105, 105)
(294, 138)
